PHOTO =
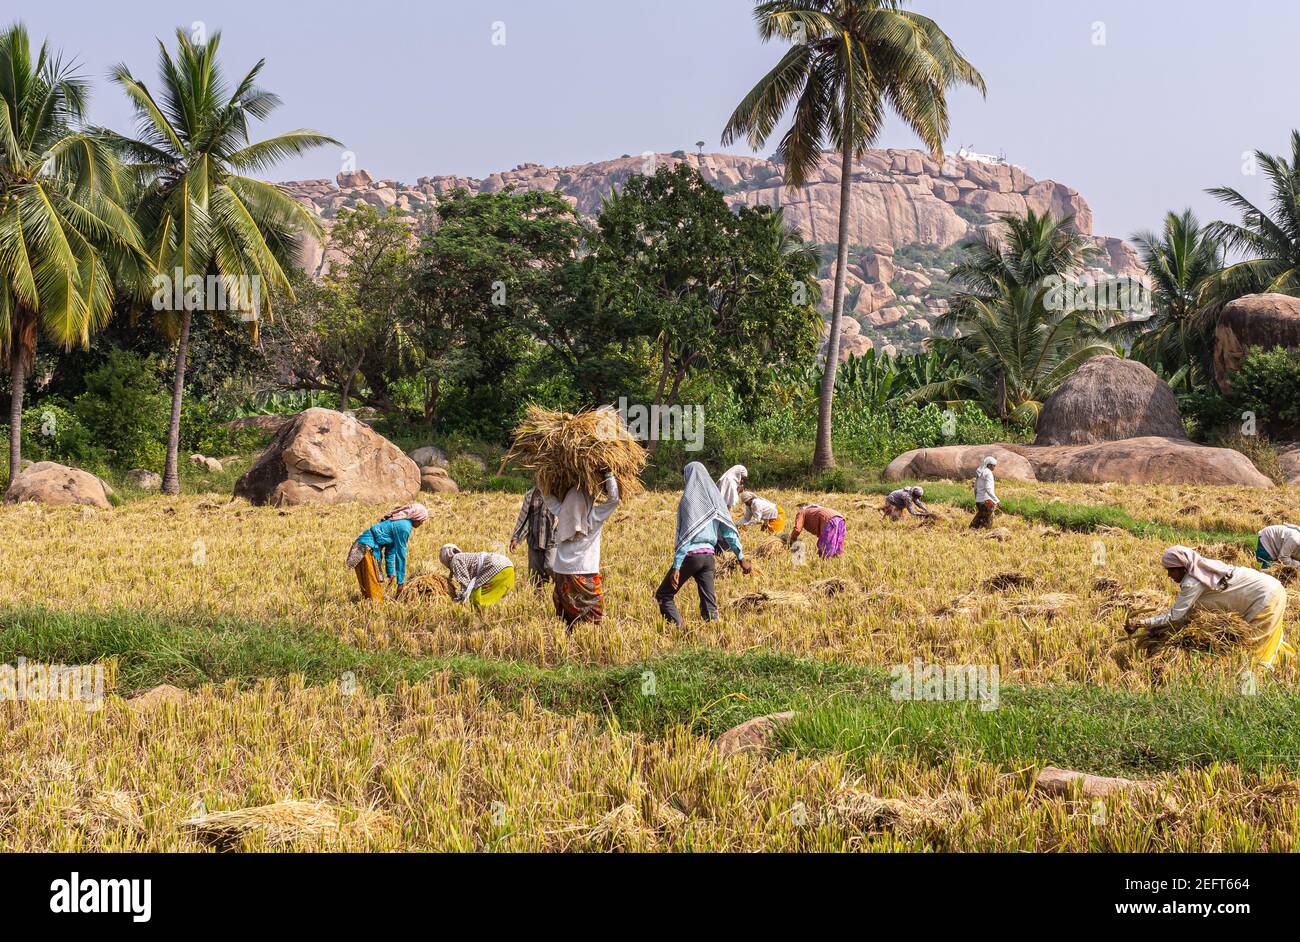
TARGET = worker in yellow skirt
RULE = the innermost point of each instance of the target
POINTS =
(482, 579)
(385, 541)
(1258, 598)
(770, 516)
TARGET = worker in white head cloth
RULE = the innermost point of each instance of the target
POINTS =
(905, 499)
(1279, 543)
(986, 496)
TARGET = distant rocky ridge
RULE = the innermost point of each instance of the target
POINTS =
(908, 212)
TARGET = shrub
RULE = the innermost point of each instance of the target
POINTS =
(126, 410)
(51, 432)
(1268, 384)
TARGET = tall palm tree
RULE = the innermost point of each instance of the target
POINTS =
(1270, 241)
(850, 61)
(200, 212)
(63, 229)
(1180, 260)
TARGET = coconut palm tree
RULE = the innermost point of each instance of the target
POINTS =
(850, 61)
(1180, 260)
(201, 214)
(64, 233)
(1270, 242)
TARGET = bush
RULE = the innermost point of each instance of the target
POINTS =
(51, 432)
(204, 430)
(126, 411)
(1268, 384)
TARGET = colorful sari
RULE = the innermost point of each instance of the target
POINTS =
(830, 542)
(579, 598)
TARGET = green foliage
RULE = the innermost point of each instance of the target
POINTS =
(204, 430)
(1268, 384)
(52, 432)
(125, 410)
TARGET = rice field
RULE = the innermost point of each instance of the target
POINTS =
(440, 759)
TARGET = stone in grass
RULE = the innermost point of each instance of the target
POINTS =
(155, 697)
(1054, 781)
(144, 479)
(754, 735)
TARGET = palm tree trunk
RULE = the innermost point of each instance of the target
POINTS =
(823, 457)
(171, 470)
(15, 410)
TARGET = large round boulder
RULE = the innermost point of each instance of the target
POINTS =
(1256, 320)
(326, 457)
(957, 463)
(1108, 399)
(48, 482)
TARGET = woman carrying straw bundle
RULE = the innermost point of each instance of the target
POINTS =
(986, 497)
(482, 579)
(731, 483)
(826, 523)
(1279, 543)
(905, 498)
(579, 594)
(759, 511)
(1215, 586)
(387, 539)
(536, 526)
(703, 522)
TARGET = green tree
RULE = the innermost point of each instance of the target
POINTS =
(1270, 241)
(201, 214)
(1179, 260)
(705, 289)
(64, 234)
(850, 62)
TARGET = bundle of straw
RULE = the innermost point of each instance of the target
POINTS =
(429, 585)
(284, 822)
(1215, 632)
(565, 451)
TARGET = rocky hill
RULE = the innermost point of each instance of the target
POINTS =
(909, 212)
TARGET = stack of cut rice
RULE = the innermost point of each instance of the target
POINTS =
(566, 450)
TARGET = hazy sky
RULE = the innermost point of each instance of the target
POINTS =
(1140, 104)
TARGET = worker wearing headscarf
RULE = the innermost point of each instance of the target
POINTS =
(579, 593)
(482, 579)
(1209, 584)
(703, 522)
(826, 523)
(535, 526)
(1279, 543)
(905, 498)
(986, 496)
(385, 542)
(731, 483)
(759, 511)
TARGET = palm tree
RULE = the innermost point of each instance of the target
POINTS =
(63, 231)
(1270, 242)
(1016, 348)
(849, 61)
(1180, 260)
(202, 216)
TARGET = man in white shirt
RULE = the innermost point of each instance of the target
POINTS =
(579, 594)
(986, 498)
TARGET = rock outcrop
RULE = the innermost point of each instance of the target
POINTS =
(1108, 399)
(958, 463)
(47, 482)
(327, 457)
(436, 480)
(1146, 460)
(1289, 459)
(1256, 320)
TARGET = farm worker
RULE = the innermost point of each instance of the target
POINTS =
(826, 523)
(731, 483)
(1279, 543)
(579, 594)
(1218, 587)
(387, 540)
(758, 510)
(905, 498)
(536, 526)
(482, 579)
(703, 521)
(986, 497)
